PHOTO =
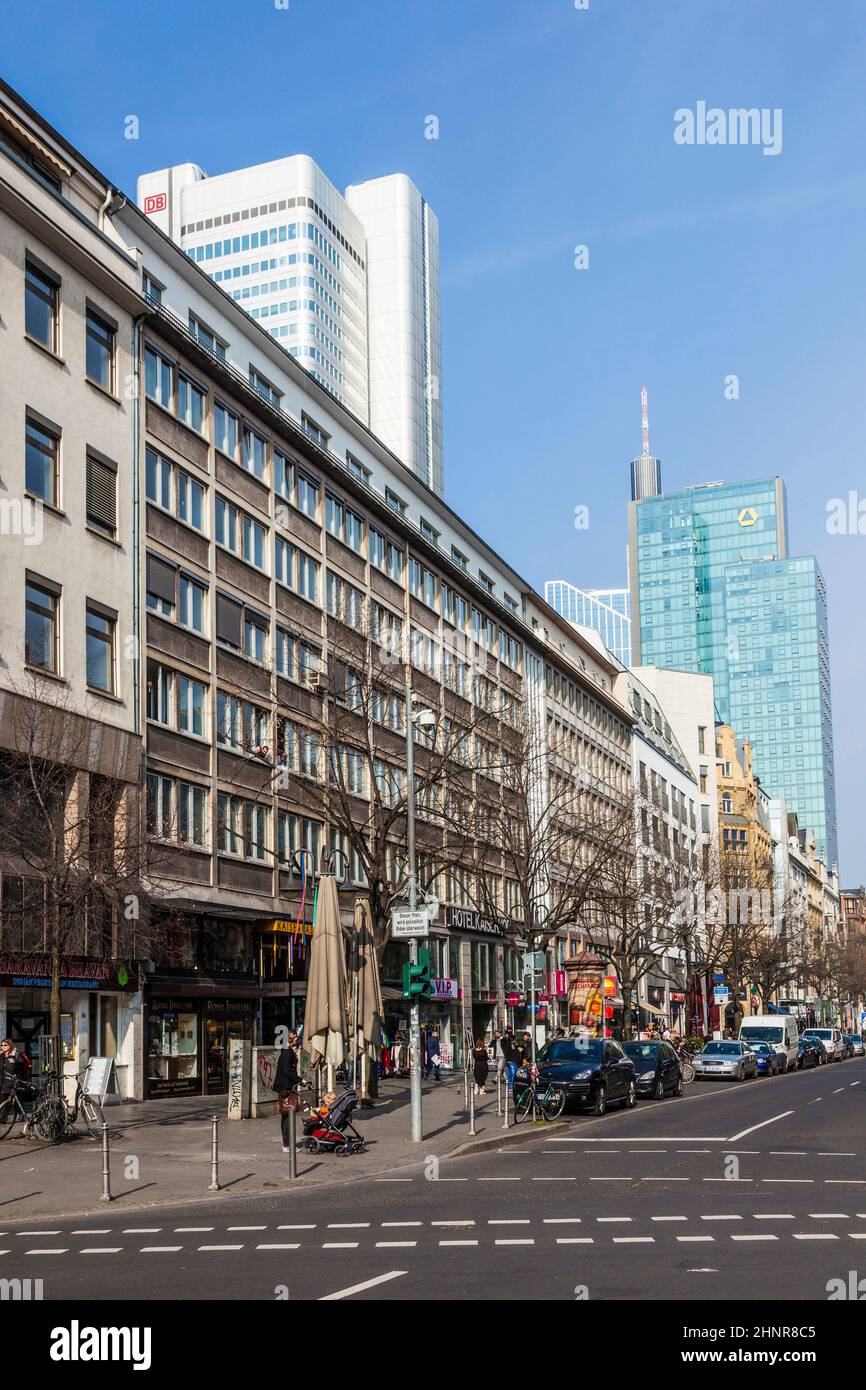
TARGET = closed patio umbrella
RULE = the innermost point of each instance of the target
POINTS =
(369, 1009)
(325, 1017)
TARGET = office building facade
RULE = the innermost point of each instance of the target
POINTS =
(713, 590)
(608, 611)
(348, 285)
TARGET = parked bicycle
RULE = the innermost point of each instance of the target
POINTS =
(65, 1116)
(530, 1098)
(686, 1068)
(45, 1119)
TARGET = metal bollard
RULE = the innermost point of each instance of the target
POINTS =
(505, 1121)
(499, 1092)
(472, 1129)
(465, 1090)
(106, 1167)
(214, 1155)
(293, 1143)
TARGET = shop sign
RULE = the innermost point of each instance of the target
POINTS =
(677, 997)
(276, 989)
(610, 985)
(514, 1000)
(33, 971)
(584, 996)
(556, 983)
(299, 989)
(468, 919)
(444, 989)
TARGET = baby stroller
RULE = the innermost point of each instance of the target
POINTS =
(334, 1132)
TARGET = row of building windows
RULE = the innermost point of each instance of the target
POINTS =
(43, 645)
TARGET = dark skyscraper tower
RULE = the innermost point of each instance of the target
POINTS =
(646, 471)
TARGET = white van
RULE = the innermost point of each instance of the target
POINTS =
(832, 1040)
(780, 1030)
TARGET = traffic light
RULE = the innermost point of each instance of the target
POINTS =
(416, 978)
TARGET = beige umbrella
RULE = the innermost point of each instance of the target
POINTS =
(368, 1006)
(325, 1016)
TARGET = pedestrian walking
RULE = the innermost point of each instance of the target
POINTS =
(512, 1055)
(286, 1081)
(480, 1066)
(14, 1066)
(433, 1057)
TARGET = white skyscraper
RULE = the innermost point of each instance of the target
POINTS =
(348, 285)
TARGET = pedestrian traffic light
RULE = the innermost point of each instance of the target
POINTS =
(416, 978)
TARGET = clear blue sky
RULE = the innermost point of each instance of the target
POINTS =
(556, 129)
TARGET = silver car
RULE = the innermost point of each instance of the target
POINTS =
(732, 1060)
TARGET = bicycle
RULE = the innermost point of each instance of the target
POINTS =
(687, 1071)
(46, 1118)
(62, 1116)
(549, 1103)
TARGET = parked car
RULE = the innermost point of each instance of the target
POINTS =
(726, 1059)
(832, 1040)
(848, 1043)
(808, 1054)
(857, 1048)
(778, 1029)
(769, 1060)
(657, 1069)
(592, 1072)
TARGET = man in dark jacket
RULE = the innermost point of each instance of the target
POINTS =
(513, 1056)
(286, 1080)
(432, 1055)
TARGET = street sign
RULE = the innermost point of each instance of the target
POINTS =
(408, 922)
(534, 963)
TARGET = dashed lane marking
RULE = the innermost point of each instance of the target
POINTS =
(340, 1245)
(696, 1240)
(514, 1242)
(287, 1246)
(101, 1250)
(44, 1250)
(634, 1240)
(575, 1240)
(764, 1235)
(219, 1247)
(815, 1235)
(159, 1249)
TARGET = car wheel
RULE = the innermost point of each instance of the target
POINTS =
(630, 1100)
(741, 1074)
(678, 1089)
(659, 1092)
(782, 1065)
(599, 1104)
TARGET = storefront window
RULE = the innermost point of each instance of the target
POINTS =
(173, 1063)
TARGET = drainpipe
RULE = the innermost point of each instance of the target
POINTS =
(136, 562)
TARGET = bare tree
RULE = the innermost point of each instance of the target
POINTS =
(74, 831)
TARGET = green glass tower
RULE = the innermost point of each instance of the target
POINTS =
(714, 590)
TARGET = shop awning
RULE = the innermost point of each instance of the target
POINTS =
(651, 1009)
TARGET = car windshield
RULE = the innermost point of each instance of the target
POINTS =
(761, 1034)
(722, 1049)
(647, 1051)
(818, 1033)
(572, 1050)
(761, 1047)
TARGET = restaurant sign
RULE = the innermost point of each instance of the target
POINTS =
(32, 970)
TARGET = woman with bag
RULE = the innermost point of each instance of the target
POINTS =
(286, 1080)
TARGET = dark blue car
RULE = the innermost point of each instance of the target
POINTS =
(769, 1061)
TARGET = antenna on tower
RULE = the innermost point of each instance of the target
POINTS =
(644, 417)
(646, 471)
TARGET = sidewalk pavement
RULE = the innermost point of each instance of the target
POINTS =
(161, 1152)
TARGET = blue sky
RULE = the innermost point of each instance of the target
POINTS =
(556, 130)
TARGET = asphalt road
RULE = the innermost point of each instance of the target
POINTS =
(735, 1191)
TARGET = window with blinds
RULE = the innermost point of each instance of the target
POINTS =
(101, 495)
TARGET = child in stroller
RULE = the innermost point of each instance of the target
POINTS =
(334, 1132)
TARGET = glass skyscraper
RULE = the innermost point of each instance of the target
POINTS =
(606, 610)
(713, 590)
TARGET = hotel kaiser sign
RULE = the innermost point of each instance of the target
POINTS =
(467, 919)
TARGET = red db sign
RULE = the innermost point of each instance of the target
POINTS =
(155, 202)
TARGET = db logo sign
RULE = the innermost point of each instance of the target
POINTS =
(156, 202)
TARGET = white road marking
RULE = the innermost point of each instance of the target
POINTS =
(514, 1242)
(836, 1182)
(562, 1220)
(37, 1233)
(499, 1180)
(728, 1179)
(815, 1235)
(575, 1240)
(101, 1250)
(368, 1284)
(159, 1249)
(822, 1154)
(332, 1226)
(458, 1242)
(665, 1179)
(396, 1244)
(763, 1236)
(829, 1215)
(857, 1235)
(655, 1138)
(246, 1228)
(773, 1216)
(610, 1219)
(610, 1179)
(385, 1224)
(721, 1218)
(178, 1230)
(340, 1245)
(141, 1230)
(838, 1091)
(634, 1240)
(101, 1231)
(220, 1247)
(393, 1180)
(554, 1179)
(787, 1180)
(509, 1221)
(743, 1132)
(452, 1223)
(311, 1226)
(695, 1240)
(44, 1250)
(788, 1153)
(669, 1218)
(287, 1246)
